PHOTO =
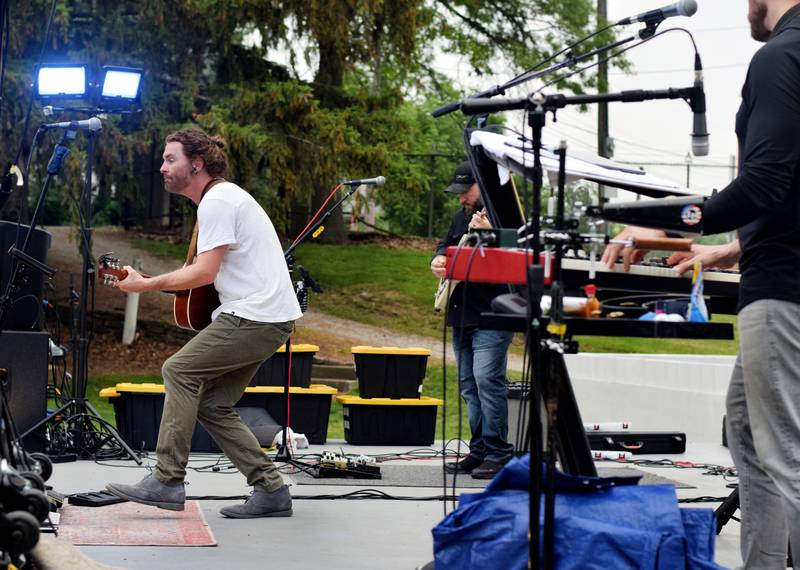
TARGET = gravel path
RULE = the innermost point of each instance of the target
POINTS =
(64, 255)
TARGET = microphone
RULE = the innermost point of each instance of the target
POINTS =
(698, 104)
(682, 8)
(92, 124)
(377, 181)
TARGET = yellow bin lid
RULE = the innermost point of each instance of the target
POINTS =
(145, 387)
(312, 389)
(358, 400)
(109, 393)
(300, 348)
(152, 388)
(412, 351)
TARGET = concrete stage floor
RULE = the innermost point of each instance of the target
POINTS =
(335, 534)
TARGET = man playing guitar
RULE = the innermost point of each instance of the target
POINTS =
(482, 354)
(239, 252)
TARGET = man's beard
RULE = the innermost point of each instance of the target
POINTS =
(757, 17)
(176, 182)
(470, 209)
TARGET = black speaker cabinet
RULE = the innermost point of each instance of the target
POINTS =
(23, 356)
(26, 303)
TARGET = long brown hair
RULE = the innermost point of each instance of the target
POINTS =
(198, 144)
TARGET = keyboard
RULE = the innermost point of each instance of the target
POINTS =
(500, 265)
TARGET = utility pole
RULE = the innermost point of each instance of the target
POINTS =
(688, 161)
(431, 190)
(603, 139)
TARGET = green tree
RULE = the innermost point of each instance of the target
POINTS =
(207, 62)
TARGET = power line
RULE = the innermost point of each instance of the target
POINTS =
(687, 69)
(628, 142)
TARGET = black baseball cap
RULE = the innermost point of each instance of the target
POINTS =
(463, 179)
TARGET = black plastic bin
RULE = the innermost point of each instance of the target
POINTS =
(390, 372)
(517, 398)
(386, 421)
(272, 371)
(139, 407)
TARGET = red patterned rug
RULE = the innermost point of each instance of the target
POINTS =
(131, 524)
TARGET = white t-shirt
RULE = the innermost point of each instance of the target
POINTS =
(253, 280)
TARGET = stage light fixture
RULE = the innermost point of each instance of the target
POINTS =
(120, 85)
(61, 81)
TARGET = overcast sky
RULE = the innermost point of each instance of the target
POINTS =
(658, 131)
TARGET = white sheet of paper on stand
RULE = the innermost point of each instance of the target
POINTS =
(510, 152)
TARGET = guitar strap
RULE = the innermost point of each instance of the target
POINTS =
(193, 243)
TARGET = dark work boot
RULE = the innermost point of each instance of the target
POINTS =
(466, 465)
(151, 491)
(487, 470)
(262, 504)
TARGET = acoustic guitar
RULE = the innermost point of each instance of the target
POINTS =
(192, 308)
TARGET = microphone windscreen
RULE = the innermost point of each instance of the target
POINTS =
(687, 7)
(700, 145)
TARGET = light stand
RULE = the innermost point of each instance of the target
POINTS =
(80, 415)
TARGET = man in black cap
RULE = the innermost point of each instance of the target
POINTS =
(482, 354)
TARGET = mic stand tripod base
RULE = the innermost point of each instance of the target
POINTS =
(80, 409)
(283, 454)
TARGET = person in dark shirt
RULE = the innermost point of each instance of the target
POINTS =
(763, 205)
(482, 354)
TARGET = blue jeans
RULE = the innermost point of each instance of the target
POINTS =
(482, 356)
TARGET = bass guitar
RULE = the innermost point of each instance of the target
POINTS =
(191, 308)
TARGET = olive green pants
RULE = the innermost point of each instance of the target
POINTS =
(202, 382)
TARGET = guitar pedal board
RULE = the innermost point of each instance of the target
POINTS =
(339, 466)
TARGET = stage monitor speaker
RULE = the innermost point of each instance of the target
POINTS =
(26, 303)
(24, 356)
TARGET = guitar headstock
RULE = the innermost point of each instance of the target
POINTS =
(109, 269)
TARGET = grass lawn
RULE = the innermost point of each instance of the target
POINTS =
(363, 282)
(374, 285)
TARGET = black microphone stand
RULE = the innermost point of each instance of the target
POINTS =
(306, 283)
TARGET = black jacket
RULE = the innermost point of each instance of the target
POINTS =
(763, 203)
(478, 295)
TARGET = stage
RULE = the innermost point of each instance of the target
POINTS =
(338, 533)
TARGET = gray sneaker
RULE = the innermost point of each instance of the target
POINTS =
(151, 491)
(262, 504)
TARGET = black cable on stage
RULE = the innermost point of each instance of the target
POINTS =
(478, 245)
(444, 373)
(358, 495)
(36, 67)
(5, 11)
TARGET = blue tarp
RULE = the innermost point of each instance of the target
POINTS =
(600, 523)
